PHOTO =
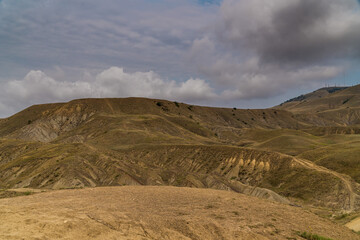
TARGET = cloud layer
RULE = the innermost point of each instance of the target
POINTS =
(228, 51)
(292, 31)
(36, 87)
(266, 48)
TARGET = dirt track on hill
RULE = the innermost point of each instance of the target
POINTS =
(156, 213)
(353, 196)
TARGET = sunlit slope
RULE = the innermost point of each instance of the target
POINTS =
(157, 213)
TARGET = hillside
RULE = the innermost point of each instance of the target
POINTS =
(298, 154)
(302, 102)
(135, 141)
(47, 122)
(157, 213)
(327, 107)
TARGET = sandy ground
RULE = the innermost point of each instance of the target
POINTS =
(354, 224)
(156, 213)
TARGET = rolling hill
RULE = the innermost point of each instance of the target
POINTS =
(300, 153)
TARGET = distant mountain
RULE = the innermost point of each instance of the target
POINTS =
(327, 107)
(324, 99)
(322, 92)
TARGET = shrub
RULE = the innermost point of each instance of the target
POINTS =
(346, 100)
(159, 104)
(310, 236)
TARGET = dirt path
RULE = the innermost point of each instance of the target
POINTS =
(354, 224)
(345, 179)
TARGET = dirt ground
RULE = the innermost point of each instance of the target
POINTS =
(157, 213)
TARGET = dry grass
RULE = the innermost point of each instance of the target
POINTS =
(153, 213)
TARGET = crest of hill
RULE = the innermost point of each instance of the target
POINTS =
(49, 121)
(337, 108)
(324, 99)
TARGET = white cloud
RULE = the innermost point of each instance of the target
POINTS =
(37, 87)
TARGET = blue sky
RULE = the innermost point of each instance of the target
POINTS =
(232, 53)
(206, 2)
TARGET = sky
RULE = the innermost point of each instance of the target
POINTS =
(228, 53)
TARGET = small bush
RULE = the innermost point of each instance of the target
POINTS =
(159, 104)
(310, 236)
(236, 213)
(346, 100)
(177, 104)
(342, 216)
(209, 206)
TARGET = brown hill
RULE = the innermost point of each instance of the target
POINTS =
(136, 141)
(46, 122)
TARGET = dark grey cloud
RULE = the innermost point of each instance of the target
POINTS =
(294, 31)
(260, 49)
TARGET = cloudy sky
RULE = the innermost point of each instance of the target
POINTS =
(234, 53)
